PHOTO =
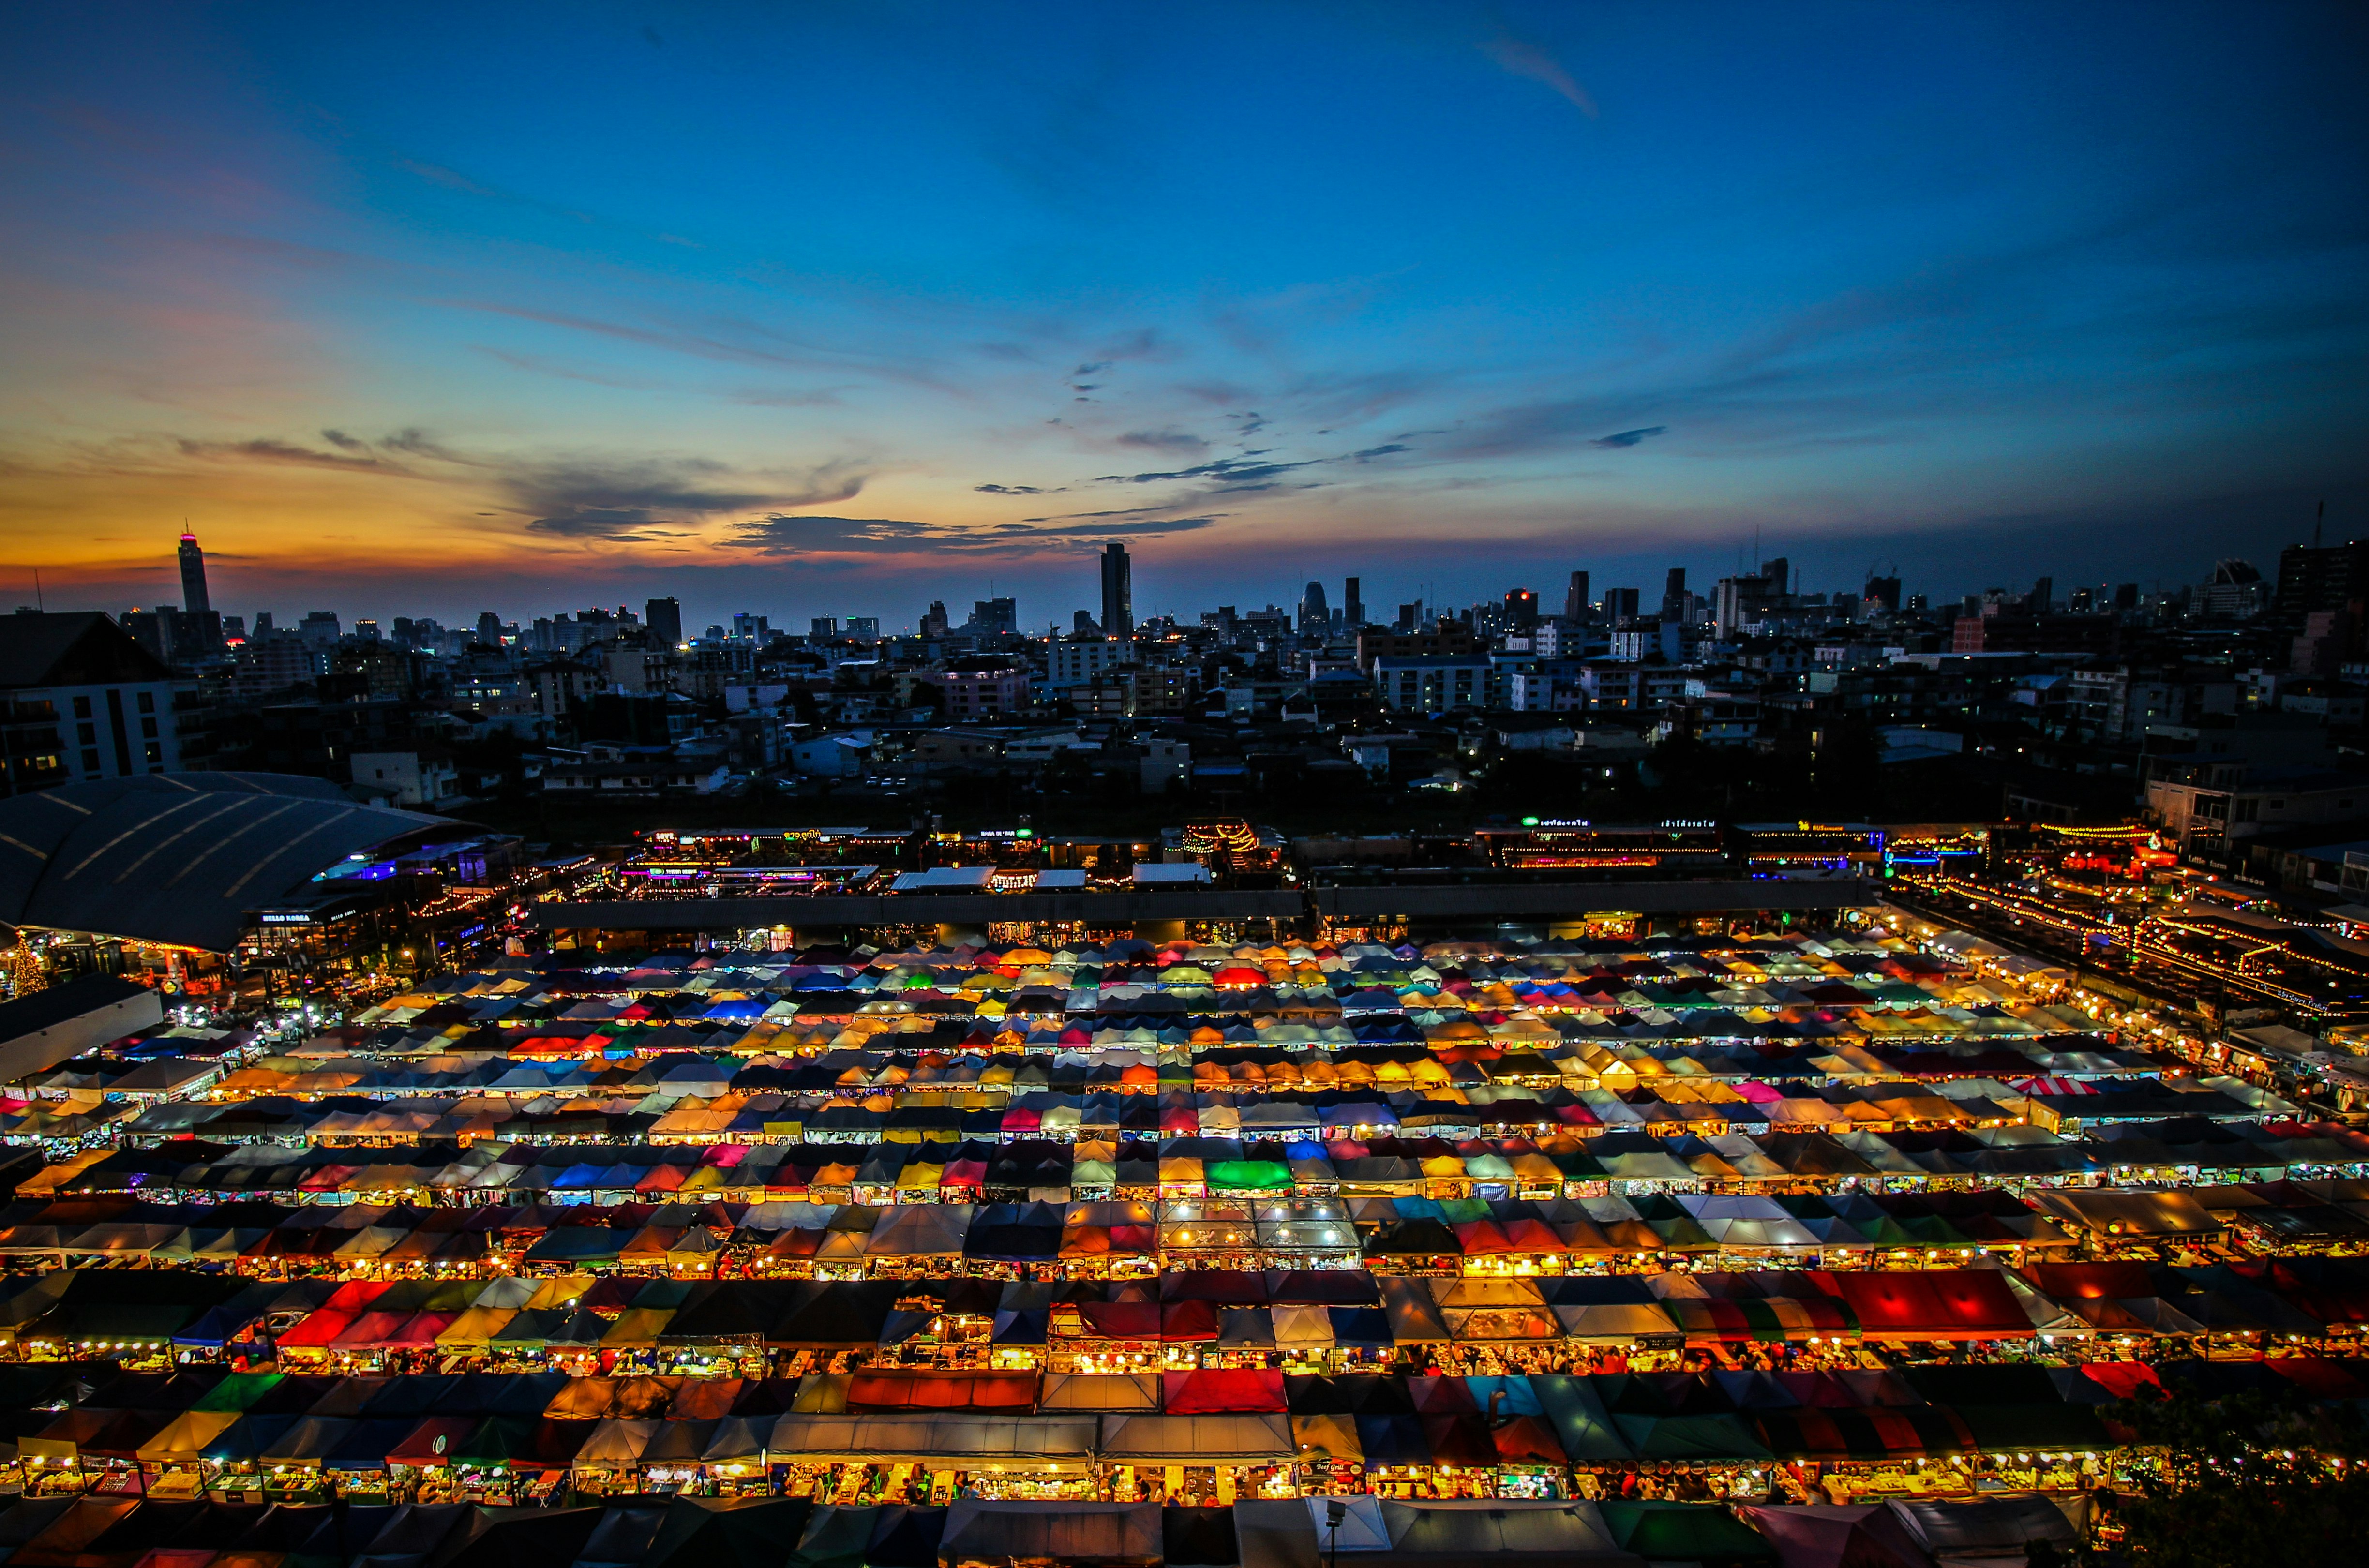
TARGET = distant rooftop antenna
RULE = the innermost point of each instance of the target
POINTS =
(40, 603)
(2317, 519)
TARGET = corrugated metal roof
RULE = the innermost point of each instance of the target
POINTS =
(177, 857)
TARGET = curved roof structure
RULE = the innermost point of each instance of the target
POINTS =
(178, 858)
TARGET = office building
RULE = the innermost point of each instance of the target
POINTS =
(1353, 604)
(662, 616)
(1314, 616)
(1575, 605)
(1118, 592)
(194, 598)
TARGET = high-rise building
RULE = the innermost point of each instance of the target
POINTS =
(823, 627)
(995, 617)
(1118, 592)
(1353, 604)
(1313, 617)
(193, 577)
(663, 617)
(1575, 598)
(1521, 610)
(2042, 597)
(1881, 593)
(1673, 595)
(489, 628)
(1619, 605)
(933, 623)
(863, 628)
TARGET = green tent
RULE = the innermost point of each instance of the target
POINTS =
(1698, 1532)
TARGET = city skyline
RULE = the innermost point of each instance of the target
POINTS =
(846, 313)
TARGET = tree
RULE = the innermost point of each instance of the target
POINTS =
(2244, 1479)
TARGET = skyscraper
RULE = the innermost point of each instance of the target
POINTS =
(1673, 595)
(1118, 592)
(664, 618)
(1353, 604)
(1575, 598)
(1313, 617)
(193, 577)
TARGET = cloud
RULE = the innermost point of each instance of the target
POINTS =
(1232, 470)
(1164, 440)
(621, 500)
(339, 439)
(268, 450)
(1385, 449)
(418, 442)
(1630, 438)
(1529, 61)
(1016, 489)
(628, 525)
(806, 533)
(1129, 529)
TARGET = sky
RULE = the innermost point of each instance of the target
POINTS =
(844, 308)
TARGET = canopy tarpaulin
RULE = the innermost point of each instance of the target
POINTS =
(1955, 1303)
(900, 1388)
(1995, 1527)
(1870, 1536)
(1703, 1532)
(979, 1529)
(1066, 1441)
(1198, 1439)
(183, 1439)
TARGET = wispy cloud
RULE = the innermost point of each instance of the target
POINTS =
(265, 450)
(1630, 438)
(1164, 440)
(1526, 60)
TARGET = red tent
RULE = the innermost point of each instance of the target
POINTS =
(1222, 1391)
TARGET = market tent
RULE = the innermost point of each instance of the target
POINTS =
(1117, 1394)
(1577, 1418)
(977, 1529)
(1698, 1532)
(1216, 1391)
(1994, 1528)
(184, 1438)
(616, 1445)
(1868, 1536)
(1499, 1530)
(1956, 1303)
(1197, 1439)
(1066, 1441)
(901, 1388)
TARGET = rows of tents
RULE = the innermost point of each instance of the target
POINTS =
(70, 1311)
(684, 1532)
(539, 1423)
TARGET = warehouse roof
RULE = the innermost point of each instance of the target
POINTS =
(177, 858)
